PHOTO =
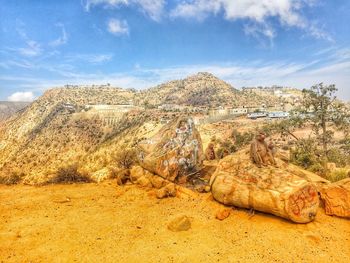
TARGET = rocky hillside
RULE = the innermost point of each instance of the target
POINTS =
(55, 130)
(8, 108)
(202, 89)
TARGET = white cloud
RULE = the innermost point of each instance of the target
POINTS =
(107, 3)
(63, 39)
(118, 27)
(90, 58)
(152, 8)
(32, 49)
(21, 96)
(256, 11)
(260, 32)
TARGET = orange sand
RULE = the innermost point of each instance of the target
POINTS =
(108, 223)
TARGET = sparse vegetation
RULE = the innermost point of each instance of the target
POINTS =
(70, 174)
(11, 178)
(338, 174)
(126, 158)
(242, 139)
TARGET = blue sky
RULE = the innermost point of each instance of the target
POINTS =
(141, 43)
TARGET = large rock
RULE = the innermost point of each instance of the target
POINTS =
(237, 181)
(175, 151)
(336, 198)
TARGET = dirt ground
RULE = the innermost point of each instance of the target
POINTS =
(108, 223)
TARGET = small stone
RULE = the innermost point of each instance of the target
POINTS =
(158, 182)
(207, 188)
(123, 176)
(135, 173)
(167, 191)
(223, 214)
(144, 182)
(181, 223)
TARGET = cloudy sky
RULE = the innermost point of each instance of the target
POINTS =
(141, 43)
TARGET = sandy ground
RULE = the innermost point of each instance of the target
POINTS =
(108, 223)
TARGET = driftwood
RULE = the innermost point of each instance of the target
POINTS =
(237, 181)
(336, 198)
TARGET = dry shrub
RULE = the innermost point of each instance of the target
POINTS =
(11, 178)
(126, 158)
(70, 174)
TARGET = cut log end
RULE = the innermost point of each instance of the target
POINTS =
(302, 205)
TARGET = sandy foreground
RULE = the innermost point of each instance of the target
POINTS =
(109, 223)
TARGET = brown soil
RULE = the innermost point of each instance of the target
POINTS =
(107, 223)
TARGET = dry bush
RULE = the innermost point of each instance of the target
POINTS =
(126, 158)
(11, 178)
(70, 174)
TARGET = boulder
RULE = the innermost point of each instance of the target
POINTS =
(174, 152)
(136, 172)
(336, 197)
(140, 176)
(158, 182)
(275, 190)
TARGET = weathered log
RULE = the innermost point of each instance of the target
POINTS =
(336, 198)
(237, 181)
(175, 151)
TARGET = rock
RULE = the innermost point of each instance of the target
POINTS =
(175, 151)
(143, 181)
(123, 176)
(336, 197)
(186, 193)
(101, 175)
(181, 223)
(135, 173)
(167, 191)
(158, 182)
(207, 189)
(275, 190)
(223, 214)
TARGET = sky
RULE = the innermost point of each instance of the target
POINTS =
(142, 43)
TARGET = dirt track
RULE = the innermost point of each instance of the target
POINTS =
(107, 223)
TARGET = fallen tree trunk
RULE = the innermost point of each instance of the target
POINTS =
(336, 198)
(237, 181)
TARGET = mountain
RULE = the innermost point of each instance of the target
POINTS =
(56, 129)
(202, 89)
(64, 126)
(8, 108)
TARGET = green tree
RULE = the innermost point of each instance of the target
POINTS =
(323, 110)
